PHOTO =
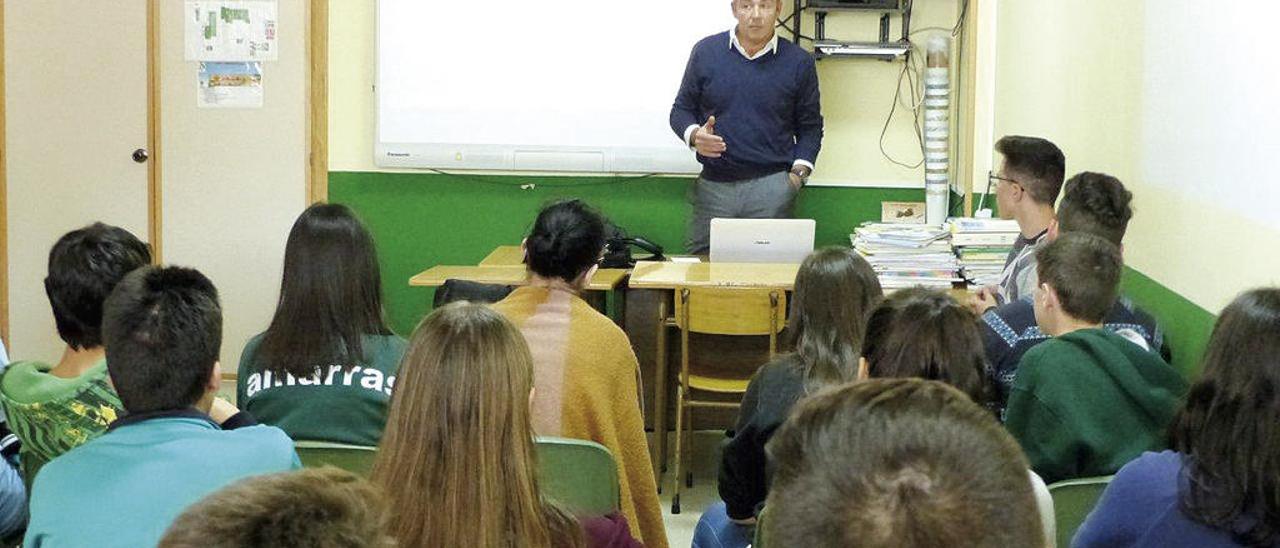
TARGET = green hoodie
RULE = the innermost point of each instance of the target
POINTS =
(1085, 403)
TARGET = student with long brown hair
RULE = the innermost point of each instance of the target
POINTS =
(457, 461)
(325, 367)
(1219, 485)
(835, 290)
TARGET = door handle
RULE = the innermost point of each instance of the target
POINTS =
(140, 155)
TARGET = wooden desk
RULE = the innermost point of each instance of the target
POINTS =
(665, 275)
(605, 279)
(507, 255)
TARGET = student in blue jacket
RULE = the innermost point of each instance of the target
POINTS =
(162, 328)
(1220, 483)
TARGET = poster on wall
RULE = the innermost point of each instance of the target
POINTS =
(226, 30)
(229, 85)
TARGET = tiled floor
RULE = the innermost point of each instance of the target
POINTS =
(704, 461)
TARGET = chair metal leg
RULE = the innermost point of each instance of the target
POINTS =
(680, 406)
(688, 443)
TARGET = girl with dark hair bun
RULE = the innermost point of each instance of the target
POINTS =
(586, 376)
(1219, 485)
(325, 367)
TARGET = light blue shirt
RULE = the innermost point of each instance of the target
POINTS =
(125, 487)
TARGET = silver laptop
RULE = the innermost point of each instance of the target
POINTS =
(761, 240)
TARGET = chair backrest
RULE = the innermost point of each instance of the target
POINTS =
(1072, 501)
(579, 474)
(761, 537)
(357, 459)
(731, 310)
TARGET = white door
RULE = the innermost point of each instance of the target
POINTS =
(76, 108)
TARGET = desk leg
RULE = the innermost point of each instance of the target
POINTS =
(615, 306)
(660, 395)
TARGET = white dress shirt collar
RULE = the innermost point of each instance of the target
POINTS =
(771, 47)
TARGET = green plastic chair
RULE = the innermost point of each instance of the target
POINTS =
(761, 537)
(357, 459)
(579, 474)
(1072, 501)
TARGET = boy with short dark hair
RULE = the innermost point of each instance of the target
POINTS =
(1089, 400)
(162, 328)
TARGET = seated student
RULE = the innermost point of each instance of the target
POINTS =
(162, 328)
(458, 461)
(903, 463)
(1092, 203)
(926, 334)
(1219, 484)
(585, 371)
(324, 368)
(1027, 185)
(55, 408)
(835, 290)
(312, 508)
(1089, 400)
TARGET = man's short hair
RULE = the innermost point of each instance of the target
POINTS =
(317, 507)
(898, 462)
(1037, 164)
(1084, 270)
(84, 266)
(163, 332)
(1095, 203)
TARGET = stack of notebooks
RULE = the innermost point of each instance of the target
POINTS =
(908, 255)
(982, 246)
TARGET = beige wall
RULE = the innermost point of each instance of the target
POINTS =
(1073, 72)
(234, 180)
(856, 97)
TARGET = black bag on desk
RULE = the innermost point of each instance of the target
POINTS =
(463, 290)
(617, 248)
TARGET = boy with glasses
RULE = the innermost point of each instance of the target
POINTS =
(1027, 185)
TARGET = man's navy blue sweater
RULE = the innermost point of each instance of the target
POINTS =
(767, 109)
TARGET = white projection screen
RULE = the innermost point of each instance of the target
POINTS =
(547, 85)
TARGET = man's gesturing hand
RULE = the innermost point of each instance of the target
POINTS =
(705, 140)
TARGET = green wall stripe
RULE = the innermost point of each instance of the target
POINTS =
(421, 220)
(1187, 326)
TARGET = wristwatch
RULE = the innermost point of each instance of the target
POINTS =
(802, 172)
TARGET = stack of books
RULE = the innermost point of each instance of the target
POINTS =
(908, 255)
(982, 246)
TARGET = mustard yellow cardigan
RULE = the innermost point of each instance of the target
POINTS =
(586, 387)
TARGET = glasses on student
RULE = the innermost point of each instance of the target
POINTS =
(995, 180)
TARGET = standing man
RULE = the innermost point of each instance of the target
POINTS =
(749, 107)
